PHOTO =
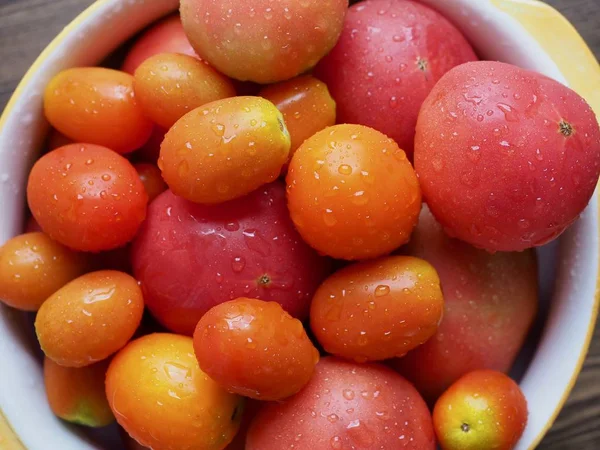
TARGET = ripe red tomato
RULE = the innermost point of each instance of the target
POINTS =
(191, 257)
(87, 197)
(346, 406)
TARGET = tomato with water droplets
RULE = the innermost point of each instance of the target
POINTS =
(87, 197)
(346, 406)
(378, 309)
(352, 193)
(254, 348)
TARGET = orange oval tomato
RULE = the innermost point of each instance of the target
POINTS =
(151, 179)
(352, 193)
(306, 105)
(224, 150)
(376, 310)
(77, 394)
(255, 348)
(87, 197)
(164, 401)
(33, 267)
(97, 106)
(169, 85)
(90, 318)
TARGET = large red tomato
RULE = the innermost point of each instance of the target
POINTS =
(191, 257)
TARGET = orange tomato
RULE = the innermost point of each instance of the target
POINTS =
(164, 401)
(305, 104)
(151, 179)
(224, 150)
(169, 85)
(378, 309)
(255, 348)
(97, 106)
(90, 318)
(77, 395)
(352, 193)
(33, 267)
(87, 197)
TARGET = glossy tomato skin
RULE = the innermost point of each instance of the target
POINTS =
(507, 158)
(191, 257)
(151, 179)
(169, 85)
(346, 405)
(255, 349)
(87, 197)
(225, 150)
(263, 41)
(352, 193)
(167, 36)
(389, 56)
(97, 106)
(379, 309)
(164, 401)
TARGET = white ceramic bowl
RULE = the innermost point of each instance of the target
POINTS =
(523, 32)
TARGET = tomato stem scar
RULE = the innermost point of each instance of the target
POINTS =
(565, 128)
(465, 427)
(264, 280)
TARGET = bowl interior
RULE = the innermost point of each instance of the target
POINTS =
(568, 267)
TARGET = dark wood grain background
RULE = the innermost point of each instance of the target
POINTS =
(26, 26)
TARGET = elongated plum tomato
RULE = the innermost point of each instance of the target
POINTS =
(167, 36)
(263, 41)
(255, 348)
(352, 193)
(87, 197)
(191, 257)
(483, 409)
(378, 309)
(151, 179)
(77, 394)
(346, 405)
(507, 158)
(169, 85)
(389, 56)
(224, 150)
(164, 401)
(305, 104)
(33, 267)
(97, 106)
(90, 318)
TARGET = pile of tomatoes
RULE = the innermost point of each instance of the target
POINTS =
(255, 176)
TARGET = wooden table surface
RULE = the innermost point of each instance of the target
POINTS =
(26, 26)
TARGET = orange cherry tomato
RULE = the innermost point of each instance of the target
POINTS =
(164, 401)
(90, 318)
(151, 179)
(87, 197)
(352, 193)
(224, 150)
(377, 310)
(255, 348)
(97, 106)
(306, 105)
(169, 85)
(77, 395)
(33, 267)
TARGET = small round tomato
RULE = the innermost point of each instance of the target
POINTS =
(169, 85)
(87, 197)
(352, 193)
(164, 401)
(97, 106)
(224, 150)
(33, 267)
(77, 394)
(378, 309)
(305, 104)
(151, 179)
(255, 348)
(90, 318)
(166, 36)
